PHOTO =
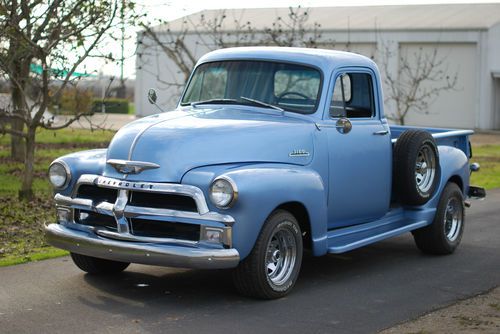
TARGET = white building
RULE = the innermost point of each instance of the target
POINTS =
(465, 36)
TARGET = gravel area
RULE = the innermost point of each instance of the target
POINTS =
(480, 314)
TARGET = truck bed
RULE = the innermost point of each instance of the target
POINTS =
(447, 137)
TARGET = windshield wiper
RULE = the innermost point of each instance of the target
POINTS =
(215, 101)
(234, 101)
(262, 104)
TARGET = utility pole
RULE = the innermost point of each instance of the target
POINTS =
(121, 93)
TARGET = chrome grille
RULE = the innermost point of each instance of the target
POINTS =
(162, 201)
(90, 218)
(141, 211)
(139, 198)
(164, 229)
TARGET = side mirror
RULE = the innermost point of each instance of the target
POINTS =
(152, 97)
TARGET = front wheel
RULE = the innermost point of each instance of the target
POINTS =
(96, 266)
(444, 234)
(271, 269)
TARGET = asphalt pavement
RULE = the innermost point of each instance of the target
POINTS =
(362, 291)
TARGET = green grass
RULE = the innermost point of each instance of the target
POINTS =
(36, 254)
(21, 223)
(67, 136)
(488, 156)
(131, 108)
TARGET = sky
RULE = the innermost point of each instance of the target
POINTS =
(173, 9)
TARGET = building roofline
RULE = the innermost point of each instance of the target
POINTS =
(451, 17)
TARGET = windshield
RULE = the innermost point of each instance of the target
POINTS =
(288, 86)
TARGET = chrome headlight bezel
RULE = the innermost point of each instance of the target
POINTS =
(66, 172)
(228, 183)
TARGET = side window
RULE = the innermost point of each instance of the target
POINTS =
(353, 96)
(341, 93)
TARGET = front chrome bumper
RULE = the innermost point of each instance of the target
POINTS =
(161, 254)
(120, 242)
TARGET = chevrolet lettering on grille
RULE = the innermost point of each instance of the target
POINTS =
(103, 181)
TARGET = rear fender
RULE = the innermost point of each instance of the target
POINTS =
(454, 164)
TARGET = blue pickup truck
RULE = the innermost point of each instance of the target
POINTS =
(270, 152)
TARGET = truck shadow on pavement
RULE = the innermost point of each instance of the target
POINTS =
(355, 292)
(164, 286)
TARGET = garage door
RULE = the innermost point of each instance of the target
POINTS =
(455, 108)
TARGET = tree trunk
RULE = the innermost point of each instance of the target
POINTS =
(20, 71)
(26, 192)
(17, 145)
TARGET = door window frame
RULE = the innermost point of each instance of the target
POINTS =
(375, 88)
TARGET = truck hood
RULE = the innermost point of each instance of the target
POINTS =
(181, 140)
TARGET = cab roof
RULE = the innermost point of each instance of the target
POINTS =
(326, 60)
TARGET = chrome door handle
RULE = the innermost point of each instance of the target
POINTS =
(381, 132)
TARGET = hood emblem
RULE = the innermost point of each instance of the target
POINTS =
(131, 167)
(299, 153)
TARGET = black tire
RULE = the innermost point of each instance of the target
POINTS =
(445, 233)
(96, 266)
(254, 276)
(414, 152)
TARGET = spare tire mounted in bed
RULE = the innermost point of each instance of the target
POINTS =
(416, 167)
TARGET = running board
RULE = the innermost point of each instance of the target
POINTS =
(349, 238)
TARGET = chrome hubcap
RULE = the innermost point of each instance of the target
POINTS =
(425, 169)
(453, 219)
(281, 256)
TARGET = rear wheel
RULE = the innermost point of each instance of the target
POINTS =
(445, 233)
(96, 266)
(271, 269)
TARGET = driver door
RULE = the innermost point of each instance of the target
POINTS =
(359, 144)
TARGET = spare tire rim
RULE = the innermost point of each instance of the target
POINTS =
(453, 219)
(281, 256)
(425, 169)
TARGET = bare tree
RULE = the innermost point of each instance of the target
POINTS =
(54, 37)
(209, 33)
(420, 78)
(174, 47)
(294, 29)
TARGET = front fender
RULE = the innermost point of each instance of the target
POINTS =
(83, 162)
(261, 189)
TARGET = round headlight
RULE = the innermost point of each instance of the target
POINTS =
(59, 174)
(223, 192)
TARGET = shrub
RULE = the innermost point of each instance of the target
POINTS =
(111, 106)
(73, 101)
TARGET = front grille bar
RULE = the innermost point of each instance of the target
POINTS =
(166, 188)
(107, 208)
